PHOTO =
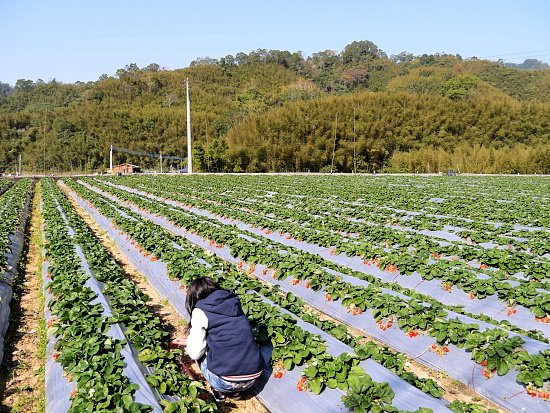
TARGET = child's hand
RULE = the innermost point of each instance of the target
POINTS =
(178, 342)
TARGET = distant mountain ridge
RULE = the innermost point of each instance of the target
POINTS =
(529, 64)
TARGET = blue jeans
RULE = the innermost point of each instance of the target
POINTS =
(222, 385)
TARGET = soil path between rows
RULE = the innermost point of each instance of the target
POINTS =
(161, 308)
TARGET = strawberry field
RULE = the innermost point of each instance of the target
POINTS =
(367, 294)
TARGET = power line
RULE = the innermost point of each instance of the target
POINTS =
(513, 54)
(528, 57)
(150, 155)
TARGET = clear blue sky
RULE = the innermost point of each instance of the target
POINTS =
(72, 40)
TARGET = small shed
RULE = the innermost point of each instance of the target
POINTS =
(126, 168)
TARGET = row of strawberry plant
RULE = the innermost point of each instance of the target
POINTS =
(13, 218)
(142, 327)
(6, 198)
(223, 238)
(428, 321)
(87, 354)
(5, 185)
(13, 202)
(291, 346)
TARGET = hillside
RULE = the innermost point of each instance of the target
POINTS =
(139, 109)
(300, 136)
(276, 111)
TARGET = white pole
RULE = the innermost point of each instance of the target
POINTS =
(334, 147)
(354, 164)
(111, 160)
(161, 162)
(44, 143)
(19, 174)
(189, 150)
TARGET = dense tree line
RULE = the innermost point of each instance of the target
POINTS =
(301, 136)
(273, 110)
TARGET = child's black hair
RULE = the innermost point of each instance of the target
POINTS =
(198, 289)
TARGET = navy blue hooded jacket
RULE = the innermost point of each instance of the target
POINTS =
(232, 350)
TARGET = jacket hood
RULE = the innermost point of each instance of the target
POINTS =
(221, 302)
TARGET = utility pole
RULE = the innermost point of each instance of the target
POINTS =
(354, 163)
(19, 173)
(111, 160)
(44, 154)
(189, 149)
(334, 146)
(161, 162)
